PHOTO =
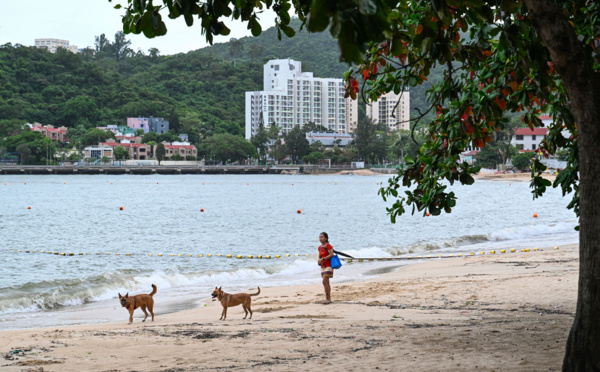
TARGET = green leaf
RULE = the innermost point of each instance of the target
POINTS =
(189, 20)
(255, 27)
(318, 20)
(118, 6)
(288, 31)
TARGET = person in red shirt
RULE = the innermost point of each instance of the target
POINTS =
(325, 254)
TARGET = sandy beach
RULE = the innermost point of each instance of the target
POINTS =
(503, 312)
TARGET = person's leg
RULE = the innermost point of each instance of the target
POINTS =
(327, 288)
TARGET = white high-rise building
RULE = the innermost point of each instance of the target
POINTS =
(53, 44)
(385, 111)
(293, 98)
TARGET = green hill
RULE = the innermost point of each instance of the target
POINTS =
(200, 92)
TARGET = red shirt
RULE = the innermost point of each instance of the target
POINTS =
(324, 252)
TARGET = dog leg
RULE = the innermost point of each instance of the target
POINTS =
(130, 317)
(224, 313)
(151, 310)
(145, 313)
(250, 309)
(245, 310)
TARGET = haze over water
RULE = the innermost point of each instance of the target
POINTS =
(243, 215)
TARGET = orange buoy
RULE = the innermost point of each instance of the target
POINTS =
(121, 208)
(299, 211)
(247, 184)
(535, 215)
(202, 210)
(26, 183)
(28, 207)
(427, 214)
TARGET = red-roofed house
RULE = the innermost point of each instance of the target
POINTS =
(527, 139)
(55, 134)
(182, 148)
(137, 151)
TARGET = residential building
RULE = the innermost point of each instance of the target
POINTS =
(55, 134)
(98, 152)
(182, 148)
(292, 98)
(352, 111)
(527, 139)
(151, 124)
(119, 130)
(329, 139)
(52, 45)
(137, 151)
(392, 110)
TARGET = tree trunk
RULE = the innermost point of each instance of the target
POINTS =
(583, 88)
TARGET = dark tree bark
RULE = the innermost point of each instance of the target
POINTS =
(583, 88)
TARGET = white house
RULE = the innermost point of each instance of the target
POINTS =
(527, 139)
(291, 98)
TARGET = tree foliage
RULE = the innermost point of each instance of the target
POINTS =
(226, 148)
(522, 56)
(296, 144)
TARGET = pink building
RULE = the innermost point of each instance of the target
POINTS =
(139, 123)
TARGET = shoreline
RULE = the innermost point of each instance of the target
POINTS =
(495, 312)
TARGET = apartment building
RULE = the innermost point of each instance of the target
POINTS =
(292, 98)
(52, 45)
(392, 110)
(151, 124)
(55, 134)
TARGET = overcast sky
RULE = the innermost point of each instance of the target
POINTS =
(79, 21)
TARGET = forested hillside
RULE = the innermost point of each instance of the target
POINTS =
(200, 93)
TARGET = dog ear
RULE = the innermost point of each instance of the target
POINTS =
(127, 295)
(120, 295)
(220, 288)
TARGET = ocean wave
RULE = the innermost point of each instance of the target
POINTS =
(51, 295)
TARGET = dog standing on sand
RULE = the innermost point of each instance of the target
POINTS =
(228, 300)
(142, 300)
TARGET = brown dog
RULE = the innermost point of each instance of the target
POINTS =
(142, 300)
(233, 300)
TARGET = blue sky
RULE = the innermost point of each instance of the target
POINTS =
(79, 21)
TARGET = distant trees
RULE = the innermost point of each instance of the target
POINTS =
(523, 161)
(296, 144)
(33, 147)
(371, 140)
(121, 153)
(226, 147)
(79, 110)
(160, 152)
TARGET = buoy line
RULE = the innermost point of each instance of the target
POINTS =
(288, 255)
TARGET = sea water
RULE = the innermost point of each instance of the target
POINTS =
(127, 232)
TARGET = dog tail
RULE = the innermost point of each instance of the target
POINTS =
(153, 290)
(257, 293)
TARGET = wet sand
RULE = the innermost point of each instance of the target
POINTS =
(508, 312)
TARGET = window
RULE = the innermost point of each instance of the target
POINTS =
(533, 146)
(276, 67)
(533, 138)
(519, 137)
